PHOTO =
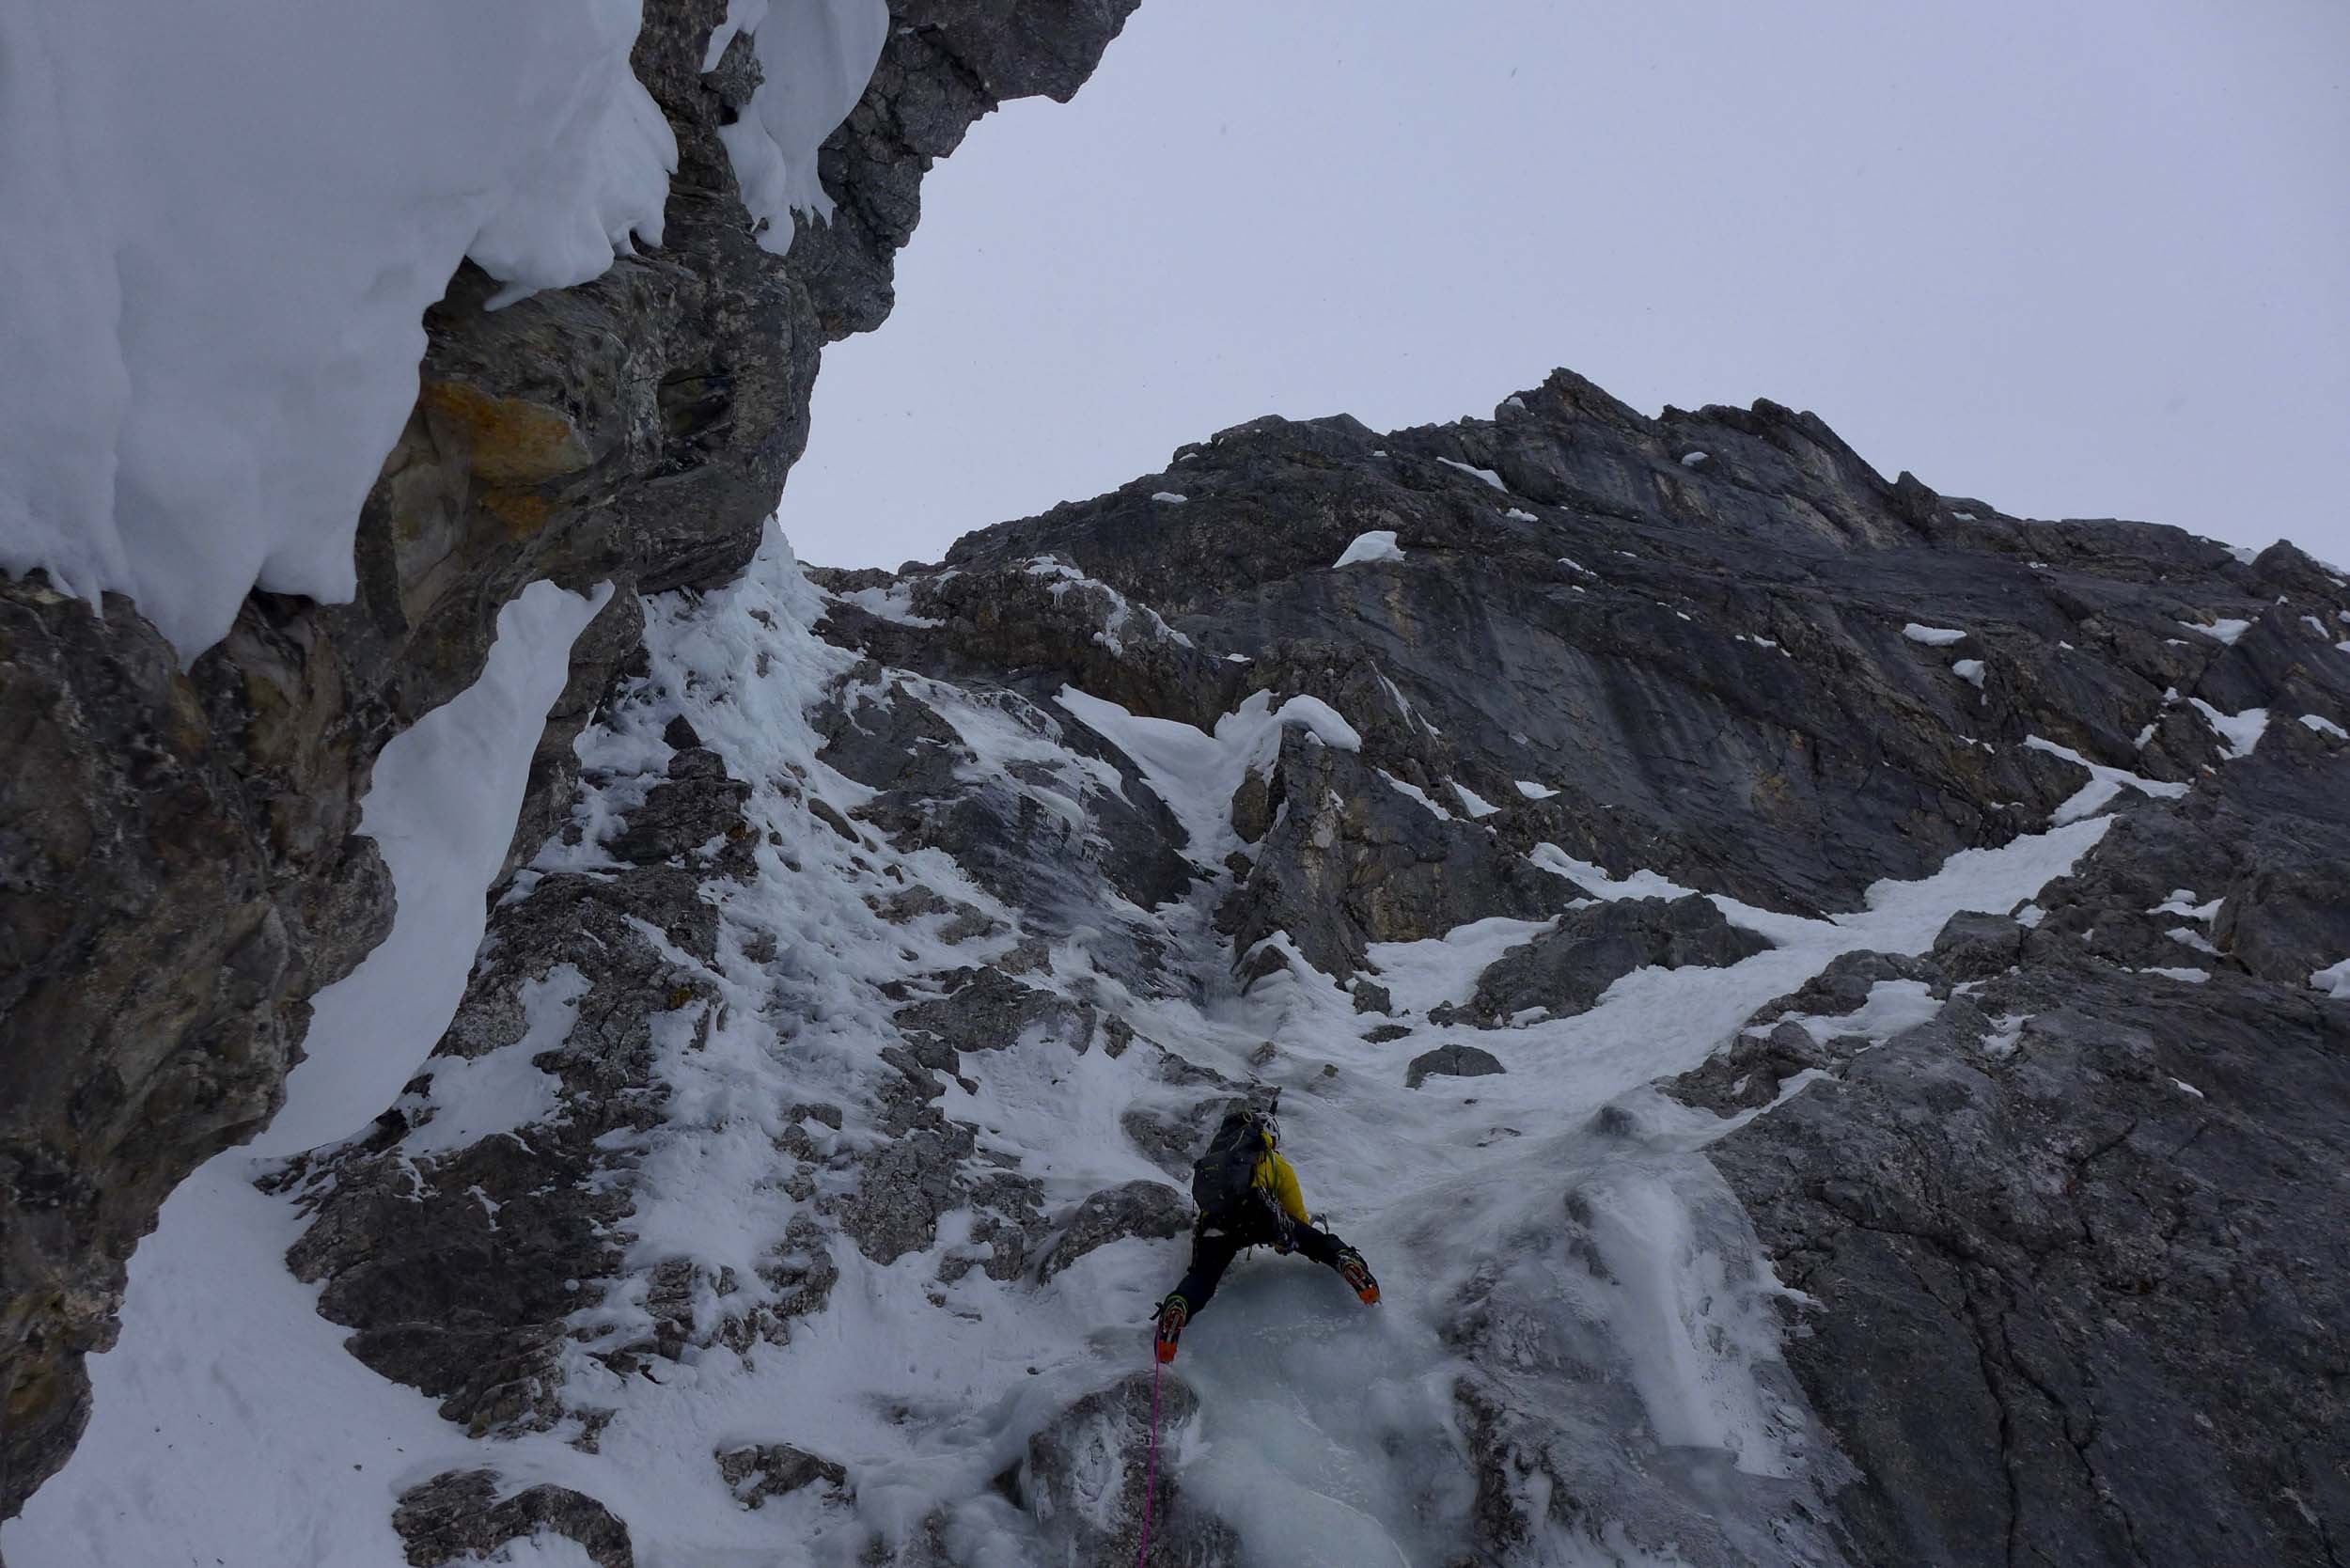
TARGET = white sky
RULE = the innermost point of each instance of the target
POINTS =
(2078, 258)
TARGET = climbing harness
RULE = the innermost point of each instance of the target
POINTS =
(1151, 1476)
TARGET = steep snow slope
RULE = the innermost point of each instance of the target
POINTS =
(923, 1390)
(794, 1180)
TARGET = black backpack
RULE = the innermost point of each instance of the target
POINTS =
(1225, 1177)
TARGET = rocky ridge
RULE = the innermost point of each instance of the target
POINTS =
(1807, 987)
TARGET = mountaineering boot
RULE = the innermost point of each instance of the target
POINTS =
(1357, 1274)
(1174, 1314)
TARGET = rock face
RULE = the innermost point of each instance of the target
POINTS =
(180, 871)
(1907, 1119)
(2065, 1247)
(2087, 1218)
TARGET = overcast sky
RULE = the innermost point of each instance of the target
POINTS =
(2078, 258)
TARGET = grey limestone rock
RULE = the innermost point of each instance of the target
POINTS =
(1082, 1481)
(1450, 1061)
(1974, 946)
(1132, 1209)
(759, 1471)
(458, 1517)
(1564, 970)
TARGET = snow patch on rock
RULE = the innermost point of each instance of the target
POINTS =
(1378, 545)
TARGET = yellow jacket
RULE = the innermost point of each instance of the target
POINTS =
(1274, 1175)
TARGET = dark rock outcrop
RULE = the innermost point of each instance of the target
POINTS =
(1564, 970)
(765, 1470)
(1451, 1062)
(459, 1517)
(1059, 1481)
(1133, 1209)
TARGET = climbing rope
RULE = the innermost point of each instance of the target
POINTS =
(1150, 1478)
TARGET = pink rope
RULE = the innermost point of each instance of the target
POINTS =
(1151, 1480)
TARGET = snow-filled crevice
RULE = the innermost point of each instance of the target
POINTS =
(441, 809)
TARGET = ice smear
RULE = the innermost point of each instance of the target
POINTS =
(1533, 791)
(894, 602)
(1118, 611)
(1932, 637)
(1892, 1005)
(1378, 545)
(1402, 787)
(2334, 980)
(2007, 1030)
(1168, 498)
(1485, 473)
(2221, 629)
(471, 1097)
(2104, 784)
(2325, 725)
(1477, 805)
(1970, 671)
(1196, 772)
(197, 402)
(441, 809)
(2240, 732)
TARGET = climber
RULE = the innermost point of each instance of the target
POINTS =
(1248, 1196)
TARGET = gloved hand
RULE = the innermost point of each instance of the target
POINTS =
(1285, 1236)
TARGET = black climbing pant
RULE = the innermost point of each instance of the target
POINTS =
(1214, 1246)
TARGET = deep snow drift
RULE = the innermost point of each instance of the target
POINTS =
(223, 225)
